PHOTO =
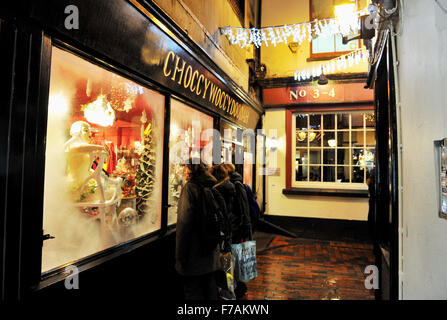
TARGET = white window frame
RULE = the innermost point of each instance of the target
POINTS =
(330, 185)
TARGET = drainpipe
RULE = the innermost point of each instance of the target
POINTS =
(399, 156)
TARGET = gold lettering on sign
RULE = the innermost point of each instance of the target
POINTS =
(176, 69)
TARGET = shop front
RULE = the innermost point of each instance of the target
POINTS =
(99, 117)
(325, 152)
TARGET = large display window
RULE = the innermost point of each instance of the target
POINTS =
(103, 169)
(191, 134)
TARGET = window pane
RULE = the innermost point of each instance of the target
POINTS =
(105, 130)
(329, 139)
(301, 173)
(343, 174)
(315, 156)
(315, 121)
(342, 121)
(329, 121)
(343, 156)
(343, 139)
(370, 138)
(301, 138)
(357, 121)
(329, 156)
(301, 121)
(314, 138)
(340, 47)
(314, 173)
(328, 174)
(357, 175)
(357, 139)
(370, 120)
(301, 156)
(187, 125)
(323, 44)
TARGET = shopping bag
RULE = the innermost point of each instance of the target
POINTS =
(245, 260)
(225, 277)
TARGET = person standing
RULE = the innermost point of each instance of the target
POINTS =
(241, 224)
(195, 262)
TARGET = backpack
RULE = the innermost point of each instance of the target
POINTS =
(241, 212)
(213, 222)
(255, 211)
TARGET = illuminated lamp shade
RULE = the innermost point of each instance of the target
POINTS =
(331, 143)
(301, 135)
(99, 112)
(312, 135)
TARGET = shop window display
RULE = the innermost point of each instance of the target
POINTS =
(190, 135)
(103, 170)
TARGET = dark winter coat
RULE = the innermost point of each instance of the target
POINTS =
(241, 225)
(191, 258)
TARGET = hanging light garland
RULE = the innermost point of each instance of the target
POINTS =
(338, 64)
(292, 33)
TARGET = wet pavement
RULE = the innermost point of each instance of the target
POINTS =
(310, 269)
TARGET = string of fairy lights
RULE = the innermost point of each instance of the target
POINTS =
(298, 32)
(338, 64)
(346, 23)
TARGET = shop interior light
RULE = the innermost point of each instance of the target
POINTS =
(100, 112)
(331, 143)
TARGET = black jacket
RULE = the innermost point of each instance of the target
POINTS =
(241, 225)
(189, 252)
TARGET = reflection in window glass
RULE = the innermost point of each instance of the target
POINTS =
(329, 121)
(343, 156)
(315, 156)
(314, 173)
(301, 173)
(370, 121)
(343, 121)
(343, 139)
(302, 156)
(357, 175)
(329, 156)
(314, 138)
(329, 140)
(370, 138)
(186, 139)
(328, 174)
(357, 121)
(103, 167)
(357, 139)
(315, 121)
(301, 121)
(343, 174)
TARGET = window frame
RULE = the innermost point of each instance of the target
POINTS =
(331, 54)
(291, 148)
